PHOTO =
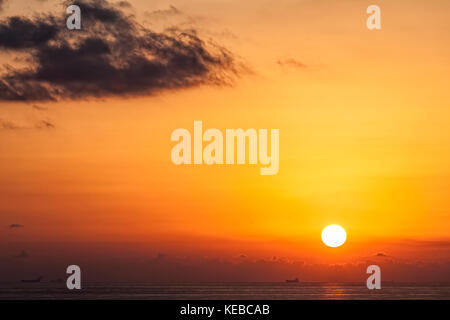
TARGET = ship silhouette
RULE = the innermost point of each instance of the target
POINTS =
(32, 280)
(293, 281)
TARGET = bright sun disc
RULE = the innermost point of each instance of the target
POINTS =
(334, 236)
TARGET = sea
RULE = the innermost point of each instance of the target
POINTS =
(223, 291)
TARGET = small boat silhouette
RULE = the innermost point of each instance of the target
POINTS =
(293, 281)
(32, 280)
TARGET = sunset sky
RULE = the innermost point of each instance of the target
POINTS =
(85, 170)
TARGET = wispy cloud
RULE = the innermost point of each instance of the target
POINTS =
(45, 124)
(381, 254)
(16, 226)
(10, 125)
(291, 63)
(124, 4)
(22, 255)
(39, 108)
(171, 11)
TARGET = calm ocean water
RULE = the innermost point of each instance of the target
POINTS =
(223, 291)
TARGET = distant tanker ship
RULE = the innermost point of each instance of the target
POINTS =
(32, 280)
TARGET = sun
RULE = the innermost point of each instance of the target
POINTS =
(334, 236)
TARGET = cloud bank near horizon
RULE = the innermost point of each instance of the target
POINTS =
(132, 262)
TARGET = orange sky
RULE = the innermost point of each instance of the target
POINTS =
(363, 143)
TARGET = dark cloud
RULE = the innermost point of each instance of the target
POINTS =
(112, 55)
(291, 63)
(16, 225)
(381, 254)
(21, 33)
